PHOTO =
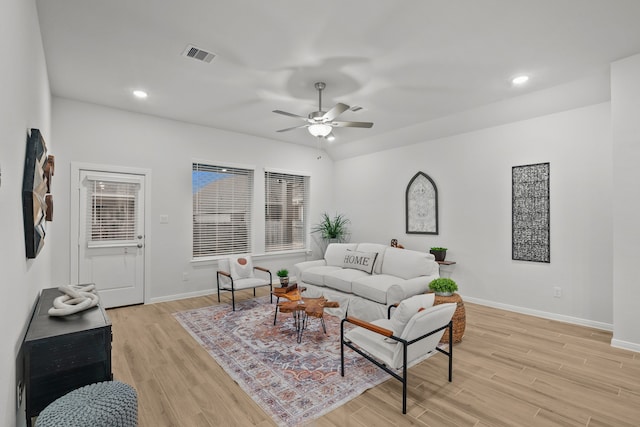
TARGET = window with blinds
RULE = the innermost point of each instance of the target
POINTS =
(222, 200)
(286, 205)
(112, 211)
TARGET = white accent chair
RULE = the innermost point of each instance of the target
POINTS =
(405, 338)
(233, 276)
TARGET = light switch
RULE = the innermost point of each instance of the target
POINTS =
(164, 219)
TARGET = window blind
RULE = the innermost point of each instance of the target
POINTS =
(222, 200)
(286, 205)
(111, 211)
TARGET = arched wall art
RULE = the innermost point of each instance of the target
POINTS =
(422, 205)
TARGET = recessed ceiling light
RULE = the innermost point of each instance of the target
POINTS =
(520, 80)
(140, 94)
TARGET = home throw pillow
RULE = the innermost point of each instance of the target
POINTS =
(407, 309)
(360, 260)
(241, 267)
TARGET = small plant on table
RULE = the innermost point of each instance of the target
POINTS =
(443, 286)
(439, 253)
(283, 274)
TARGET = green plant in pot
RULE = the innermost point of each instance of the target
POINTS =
(332, 228)
(439, 253)
(443, 286)
(283, 274)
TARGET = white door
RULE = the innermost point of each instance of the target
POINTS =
(111, 235)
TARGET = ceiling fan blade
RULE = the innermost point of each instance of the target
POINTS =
(284, 113)
(352, 124)
(295, 127)
(338, 109)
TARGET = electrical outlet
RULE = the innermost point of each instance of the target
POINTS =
(557, 292)
(185, 277)
(20, 391)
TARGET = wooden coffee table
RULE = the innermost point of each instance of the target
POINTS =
(302, 308)
(291, 293)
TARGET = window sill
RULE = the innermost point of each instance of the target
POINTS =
(267, 255)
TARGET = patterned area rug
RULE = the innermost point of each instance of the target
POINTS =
(294, 383)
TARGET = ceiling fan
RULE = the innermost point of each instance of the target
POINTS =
(321, 123)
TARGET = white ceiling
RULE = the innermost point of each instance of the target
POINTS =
(405, 62)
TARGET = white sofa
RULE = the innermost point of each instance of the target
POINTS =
(366, 278)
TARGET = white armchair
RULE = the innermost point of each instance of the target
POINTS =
(238, 273)
(407, 337)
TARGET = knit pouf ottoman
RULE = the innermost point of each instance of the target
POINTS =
(106, 404)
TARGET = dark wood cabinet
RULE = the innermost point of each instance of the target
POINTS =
(62, 354)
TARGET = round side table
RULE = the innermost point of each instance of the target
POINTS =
(459, 317)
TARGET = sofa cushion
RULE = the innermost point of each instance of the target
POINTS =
(364, 261)
(374, 247)
(381, 288)
(406, 263)
(334, 255)
(341, 279)
(407, 309)
(315, 275)
(304, 265)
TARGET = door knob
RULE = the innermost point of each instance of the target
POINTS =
(139, 245)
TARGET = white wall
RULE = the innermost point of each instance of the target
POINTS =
(473, 174)
(101, 135)
(25, 103)
(625, 108)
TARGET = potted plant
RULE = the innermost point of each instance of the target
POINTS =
(332, 228)
(443, 286)
(439, 253)
(283, 274)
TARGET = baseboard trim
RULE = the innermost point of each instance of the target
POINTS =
(543, 314)
(182, 296)
(196, 294)
(625, 345)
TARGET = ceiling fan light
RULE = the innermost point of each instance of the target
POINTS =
(320, 129)
(330, 137)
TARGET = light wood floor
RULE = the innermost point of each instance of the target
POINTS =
(509, 370)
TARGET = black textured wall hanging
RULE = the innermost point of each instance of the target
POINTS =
(530, 213)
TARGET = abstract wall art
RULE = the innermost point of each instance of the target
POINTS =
(530, 213)
(35, 186)
(421, 200)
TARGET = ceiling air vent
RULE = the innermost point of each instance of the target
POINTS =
(196, 53)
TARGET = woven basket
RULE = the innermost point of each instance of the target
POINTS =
(459, 317)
